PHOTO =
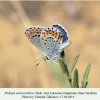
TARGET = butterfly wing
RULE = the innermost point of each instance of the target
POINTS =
(51, 41)
(33, 33)
(64, 34)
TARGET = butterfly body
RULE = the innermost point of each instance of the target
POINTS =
(51, 40)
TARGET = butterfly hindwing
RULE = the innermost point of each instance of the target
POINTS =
(51, 40)
(62, 30)
(64, 34)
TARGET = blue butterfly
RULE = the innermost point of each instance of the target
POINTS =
(51, 41)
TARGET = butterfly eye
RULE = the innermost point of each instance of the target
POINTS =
(46, 58)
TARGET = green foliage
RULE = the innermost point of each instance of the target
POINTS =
(73, 64)
(85, 77)
(75, 79)
(63, 66)
(74, 83)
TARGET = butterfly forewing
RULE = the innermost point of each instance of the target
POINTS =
(34, 33)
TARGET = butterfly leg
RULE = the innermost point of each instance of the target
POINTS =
(56, 62)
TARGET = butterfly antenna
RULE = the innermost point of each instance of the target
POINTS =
(39, 61)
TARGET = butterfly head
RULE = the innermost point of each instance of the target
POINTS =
(46, 58)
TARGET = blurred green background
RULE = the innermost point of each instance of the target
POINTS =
(17, 54)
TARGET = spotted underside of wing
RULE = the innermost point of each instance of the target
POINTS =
(33, 34)
(51, 40)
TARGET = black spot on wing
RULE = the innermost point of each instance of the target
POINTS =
(38, 41)
(38, 35)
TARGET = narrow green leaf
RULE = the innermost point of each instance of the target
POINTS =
(65, 70)
(64, 67)
(62, 62)
(73, 65)
(75, 79)
(85, 77)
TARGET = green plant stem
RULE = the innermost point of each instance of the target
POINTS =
(70, 82)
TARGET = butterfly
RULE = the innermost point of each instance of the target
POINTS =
(51, 40)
